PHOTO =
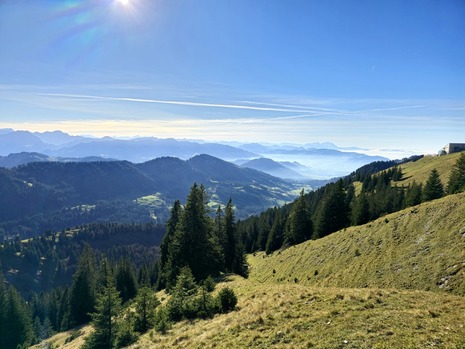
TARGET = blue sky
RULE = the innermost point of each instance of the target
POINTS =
(374, 74)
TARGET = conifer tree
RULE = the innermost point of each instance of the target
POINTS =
(183, 291)
(194, 244)
(433, 187)
(300, 227)
(126, 280)
(275, 237)
(361, 210)
(414, 194)
(104, 319)
(167, 240)
(17, 326)
(332, 212)
(82, 294)
(146, 303)
(456, 182)
(104, 270)
(220, 229)
(231, 241)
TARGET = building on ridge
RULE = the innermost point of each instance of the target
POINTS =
(453, 148)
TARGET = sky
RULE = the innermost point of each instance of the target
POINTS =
(385, 75)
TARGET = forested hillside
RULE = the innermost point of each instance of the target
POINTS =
(48, 261)
(52, 196)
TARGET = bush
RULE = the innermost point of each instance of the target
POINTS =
(209, 284)
(227, 300)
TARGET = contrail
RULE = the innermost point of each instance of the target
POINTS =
(193, 104)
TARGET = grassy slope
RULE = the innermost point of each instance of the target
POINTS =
(373, 298)
(420, 170)
(297, 316)
(422, 247)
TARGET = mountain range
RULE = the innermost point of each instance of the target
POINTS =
(310, 161)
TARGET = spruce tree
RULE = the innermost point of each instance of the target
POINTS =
(82, 294)
(183, 292)
(332, 212)
(414, 194)
(146, 303)
(300, 227)
(126, 280)
(194, 243)
(104, 319)
(17, 326)
(167, 240)
(220, 230)
(275, 237)
(456, 182)
(231, 240)
(433, 187)
(361, 210)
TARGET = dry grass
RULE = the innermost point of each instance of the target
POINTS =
(422, 247)
(420, 170)
(295, 316)
(72, 339)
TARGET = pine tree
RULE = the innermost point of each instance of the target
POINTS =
(300, 227)
(104, 270)
(166, 242)
(194, 243)
(414, 194)
(104, 319)
(184, 290)
(275, 237)
(433, 187)
(220, 229)
(231, 241)
(456, 182)
(146, 303)
(361, 210)
(17, 326)
(332, 212)
(126, 280)
(82, 294)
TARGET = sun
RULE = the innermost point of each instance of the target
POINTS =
(123, 2)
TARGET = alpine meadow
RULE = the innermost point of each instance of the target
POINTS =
(232, 174)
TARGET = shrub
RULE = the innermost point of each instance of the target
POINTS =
(227, 299)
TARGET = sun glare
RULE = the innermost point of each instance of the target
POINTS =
(123, 2)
